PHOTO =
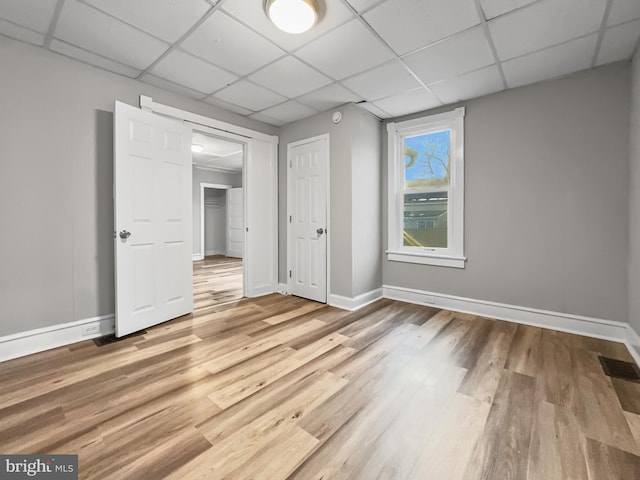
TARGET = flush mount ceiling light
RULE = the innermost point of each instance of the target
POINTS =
(195, 148)
(294, 16)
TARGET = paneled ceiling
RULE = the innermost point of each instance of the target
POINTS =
(217, 154)
(393, 56)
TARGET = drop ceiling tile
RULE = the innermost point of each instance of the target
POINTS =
(192, 72)
(459, 54)
(90, 29)
(170, 86)
(35, 15)
(545, 24)
(264, 119)
(289, 112)
(20, 33)
(165, 19)
(345, 51)
(623, 11)
(371, 108)
(290, 77)
(251, 13)
(409, 24)
(408, 102)
(92, 59)
(362, 5)
(552, 62)
(225, 42)
(228, 106)
(470, 85)
(328, 97)
(495, 8)
(619, 43)
(382, 81)
(249, 95)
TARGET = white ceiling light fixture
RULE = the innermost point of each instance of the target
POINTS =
(294, 16)
(195, 148)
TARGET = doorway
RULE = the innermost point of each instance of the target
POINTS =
(219, 221)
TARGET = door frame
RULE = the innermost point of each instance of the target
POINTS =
(248, 138)
(204, 185)
(290, 146)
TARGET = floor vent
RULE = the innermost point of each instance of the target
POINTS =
(620, 369)
(108, 339)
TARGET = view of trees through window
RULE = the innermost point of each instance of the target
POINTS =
(427, 180)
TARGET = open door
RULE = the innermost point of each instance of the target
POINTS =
(261, 218)
(152, 195)
(235, 222)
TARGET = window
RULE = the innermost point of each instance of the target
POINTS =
(426, 190)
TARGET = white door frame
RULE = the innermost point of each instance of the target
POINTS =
(204, 185)
(329, 229)
(246, 137)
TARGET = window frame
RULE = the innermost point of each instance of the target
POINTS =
(453, 254)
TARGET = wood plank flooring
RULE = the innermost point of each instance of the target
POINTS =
(284, 388)
(216, 280)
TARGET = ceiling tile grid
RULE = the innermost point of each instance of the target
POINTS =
(290, 77)
(391, 57)
(227, 43)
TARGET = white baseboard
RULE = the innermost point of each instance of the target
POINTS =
(34, 341)
(283, 288)
(564, 322)
(196, 257)
(354, 303)
(215, 252)
(633, 343)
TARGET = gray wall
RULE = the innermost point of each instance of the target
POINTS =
(56, 174)
(367, 204)
(207, 176)
(546, 199)
(349, 149)
(634, 198)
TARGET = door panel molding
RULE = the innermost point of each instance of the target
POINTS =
(306, 291)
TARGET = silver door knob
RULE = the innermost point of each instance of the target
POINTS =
(124, 234)
(320, 231)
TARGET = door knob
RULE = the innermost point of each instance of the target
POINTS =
(124, 234)
(320, 231)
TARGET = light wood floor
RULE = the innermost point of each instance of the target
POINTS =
(280, 387)
(216, 280)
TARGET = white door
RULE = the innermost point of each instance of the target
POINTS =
(235, 222)
(308, 218)
(152, 194)
(261, 218)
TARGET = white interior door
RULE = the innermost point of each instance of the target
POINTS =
(235, 222)
(152, 193)
(261, 218)
(308, 218)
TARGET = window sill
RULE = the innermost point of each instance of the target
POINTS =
(427, 259)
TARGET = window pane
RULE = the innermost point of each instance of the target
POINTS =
(426, 160)
(425, 220)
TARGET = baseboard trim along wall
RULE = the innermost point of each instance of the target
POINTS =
(564, 322)
(34, 341)
(354, 303)
(196, 257)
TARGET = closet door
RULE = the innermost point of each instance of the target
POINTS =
(235, 223)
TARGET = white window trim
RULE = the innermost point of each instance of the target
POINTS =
(453, 255)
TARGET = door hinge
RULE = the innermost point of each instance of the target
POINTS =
(289, 273)
(247, 229)
(290, 217)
